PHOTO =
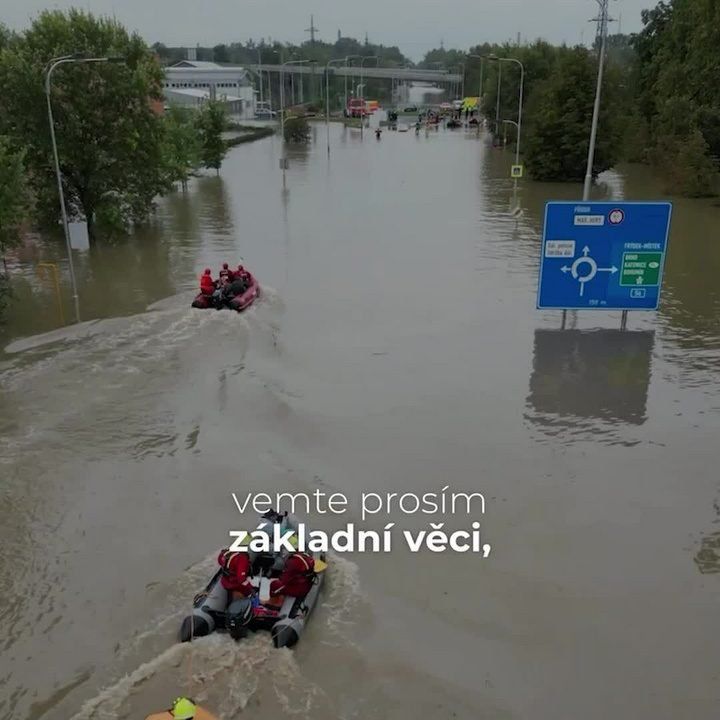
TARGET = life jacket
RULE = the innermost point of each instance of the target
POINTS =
(207, 286)
(304, 568)
(226, 558)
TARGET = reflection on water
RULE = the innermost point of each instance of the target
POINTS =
(126, 274)
(707, 558)
(582, 376)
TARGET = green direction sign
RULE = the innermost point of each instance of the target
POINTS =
(641, 268)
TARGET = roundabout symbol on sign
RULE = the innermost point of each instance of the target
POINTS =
(584, 269)
(616, 216)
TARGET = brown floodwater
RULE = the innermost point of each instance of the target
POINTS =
(396, 348)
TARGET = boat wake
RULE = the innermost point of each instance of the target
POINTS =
(221, 674)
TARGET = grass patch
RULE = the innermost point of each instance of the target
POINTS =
(250, 133)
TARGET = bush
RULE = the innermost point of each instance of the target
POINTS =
(297, 129)
(5, 293)
(687, 166)
(637, 141)
(13, 194)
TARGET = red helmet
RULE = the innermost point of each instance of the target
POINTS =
(240, 268)
(225, 266)
(208, 271)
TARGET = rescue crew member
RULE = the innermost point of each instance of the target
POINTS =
(297, 576)
(226, 275)
(207, 284)
(235, 568)
(237, 287)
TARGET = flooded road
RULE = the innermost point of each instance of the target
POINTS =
(396, 348)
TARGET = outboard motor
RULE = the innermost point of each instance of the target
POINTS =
(196, 625)
(286, 632)
(238, 617)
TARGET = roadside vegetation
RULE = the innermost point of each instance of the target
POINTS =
(297, 129)
(118, 149)
(661, 98)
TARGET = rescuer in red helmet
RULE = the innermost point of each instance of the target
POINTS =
(207, 284)
(235, 567)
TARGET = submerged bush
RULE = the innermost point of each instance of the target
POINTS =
(297, 129)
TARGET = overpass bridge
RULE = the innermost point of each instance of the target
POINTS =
(386, 73)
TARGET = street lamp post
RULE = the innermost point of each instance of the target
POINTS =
(481, 58)
(349, 57)
(282, 91)
(519, 120)
(50, 67)
(327, 96)
(509, 122)
(260, 77)
(362, 107)
(520, 105)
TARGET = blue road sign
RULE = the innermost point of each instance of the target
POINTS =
(603, 255)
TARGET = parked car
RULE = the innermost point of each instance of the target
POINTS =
(410, 109)
(265, 114)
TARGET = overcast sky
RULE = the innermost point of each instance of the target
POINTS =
(414, 25)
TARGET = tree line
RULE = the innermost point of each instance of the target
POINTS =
(316, 54)
(661, 98)
(269, 51)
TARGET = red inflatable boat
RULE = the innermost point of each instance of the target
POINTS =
(239, 302)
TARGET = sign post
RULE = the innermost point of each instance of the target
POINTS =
(284, 165)
(603, 255)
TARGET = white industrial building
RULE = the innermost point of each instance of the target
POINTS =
(193, 82)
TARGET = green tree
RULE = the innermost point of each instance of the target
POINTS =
(220, 54)
(181, 145)
(679, 96)
(687, 165)
(559, 118)
(109, 138)
(211, 123)
(13, 194)
(13, 206)
(5, 37)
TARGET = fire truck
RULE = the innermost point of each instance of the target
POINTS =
(356, 107)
